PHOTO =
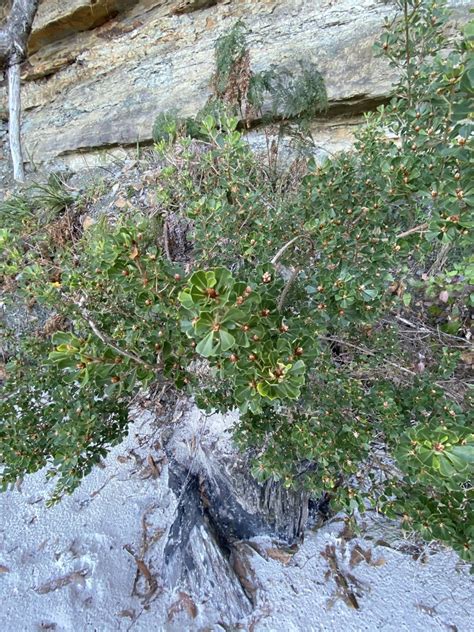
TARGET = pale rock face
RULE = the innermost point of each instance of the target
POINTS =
(101, 70)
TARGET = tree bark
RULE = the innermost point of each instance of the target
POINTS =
(14, 35)
(14, 109)
(13, 50)
(218, 508)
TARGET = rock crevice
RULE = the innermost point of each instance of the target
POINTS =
(57, 21)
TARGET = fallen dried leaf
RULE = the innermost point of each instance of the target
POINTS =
(54, 584)
(347, 533)
(143, 569)
(279, 556)
(184, 603)
(358, 555)
(468, 357)
(156, 471)
(121, 202)
(87, 222)
(243, 569)
(156, 536)
(381, 561)
(344, 590)
(4, 569)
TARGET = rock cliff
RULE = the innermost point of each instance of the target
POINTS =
(100, 70)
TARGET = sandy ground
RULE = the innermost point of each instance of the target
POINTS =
(72, 567)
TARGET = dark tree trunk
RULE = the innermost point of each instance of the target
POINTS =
(13, 50)
(219, 508)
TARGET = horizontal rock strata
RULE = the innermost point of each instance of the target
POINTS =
(100, 70)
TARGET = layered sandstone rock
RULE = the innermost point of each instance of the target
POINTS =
(100, 70)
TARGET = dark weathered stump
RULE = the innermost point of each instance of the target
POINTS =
(219, 505)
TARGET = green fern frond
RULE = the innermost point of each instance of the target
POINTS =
(229, 50)
(300, 94)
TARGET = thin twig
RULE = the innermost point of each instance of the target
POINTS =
(430, 330)
(421, 228)
(396, 366)
(284, 248)
(110, 343)
(166, 239)
(407, 49)
(367, 352)
(287, 288)
(142, 569)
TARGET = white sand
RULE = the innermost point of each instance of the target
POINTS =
(66, 569)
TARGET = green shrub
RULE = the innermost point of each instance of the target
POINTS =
(304, 305)
(166, 127)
